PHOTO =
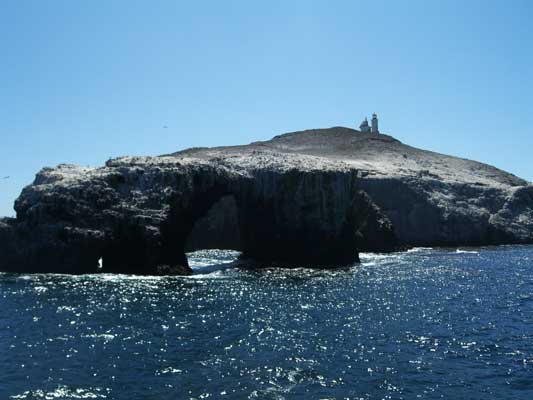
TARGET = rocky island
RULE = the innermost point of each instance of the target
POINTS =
(315, 197)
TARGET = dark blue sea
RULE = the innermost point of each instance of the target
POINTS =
(423, 324)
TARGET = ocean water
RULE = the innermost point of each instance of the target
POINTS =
(424, 324)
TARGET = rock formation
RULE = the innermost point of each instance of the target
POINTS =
(311, 198)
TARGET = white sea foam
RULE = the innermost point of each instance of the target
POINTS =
(419, 249)
(371, 259)
(169, 370)
(459, 251)
(63, 392)
(211, 275)
(106, 337)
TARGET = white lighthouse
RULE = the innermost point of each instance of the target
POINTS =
(374, 128)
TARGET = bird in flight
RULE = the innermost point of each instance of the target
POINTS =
(165, 127)
(6, 177)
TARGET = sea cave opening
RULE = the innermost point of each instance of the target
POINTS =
(209, 231)
(215, 238)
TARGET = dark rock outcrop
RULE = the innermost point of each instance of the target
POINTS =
(314, 198)
(137, 213)
(429, 199)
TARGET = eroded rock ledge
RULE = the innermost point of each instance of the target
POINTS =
(310, 198)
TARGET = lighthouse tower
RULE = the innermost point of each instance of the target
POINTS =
(374, 128)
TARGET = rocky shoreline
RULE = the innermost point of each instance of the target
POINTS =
(314, 197)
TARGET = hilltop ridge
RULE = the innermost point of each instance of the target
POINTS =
(376, 154)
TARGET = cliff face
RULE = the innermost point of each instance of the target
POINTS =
(313, 197)
(136, 214)
(428, 198)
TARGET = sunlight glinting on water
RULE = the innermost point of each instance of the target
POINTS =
(421, 324)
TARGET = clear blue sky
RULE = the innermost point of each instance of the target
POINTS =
(82, 81)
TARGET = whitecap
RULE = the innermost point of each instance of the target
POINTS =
(63, 392)
(419, 249)
(459, 251)
(169, 370)
(105, 336)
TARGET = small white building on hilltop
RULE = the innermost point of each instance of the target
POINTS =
(365, 128)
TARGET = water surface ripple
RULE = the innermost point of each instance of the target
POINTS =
(423, 324)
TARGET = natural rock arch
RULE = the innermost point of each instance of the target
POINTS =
(218, 229)
(290, 217)
(136, 215)
(298, 198)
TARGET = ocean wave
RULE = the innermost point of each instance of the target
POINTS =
(459, 251)
(419, 249)
(63, 392)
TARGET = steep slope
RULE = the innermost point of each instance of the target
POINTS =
(430, 198)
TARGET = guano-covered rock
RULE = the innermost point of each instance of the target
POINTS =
(305, 198)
